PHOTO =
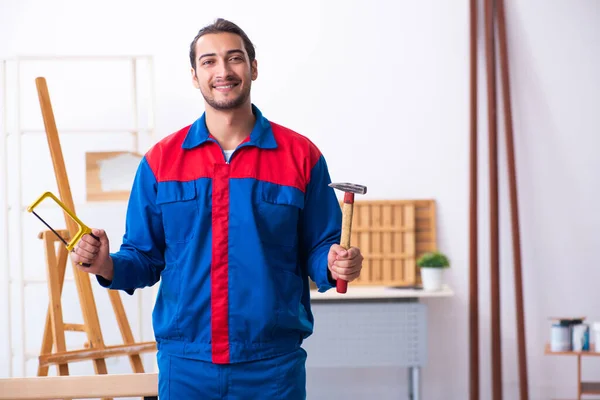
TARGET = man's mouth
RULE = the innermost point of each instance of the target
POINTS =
(225, 88)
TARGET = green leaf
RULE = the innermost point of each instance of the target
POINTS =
(433, 259)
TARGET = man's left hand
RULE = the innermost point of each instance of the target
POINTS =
(344, 264)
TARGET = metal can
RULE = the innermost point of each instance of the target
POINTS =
(581, 337)
(560, 338)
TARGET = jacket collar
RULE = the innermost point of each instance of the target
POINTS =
(261, 135)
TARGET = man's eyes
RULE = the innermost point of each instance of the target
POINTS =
(231, 59)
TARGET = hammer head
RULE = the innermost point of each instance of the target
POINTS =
(349, 187)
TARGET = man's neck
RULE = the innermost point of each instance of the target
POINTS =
(230, 127)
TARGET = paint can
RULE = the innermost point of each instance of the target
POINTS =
(560, 338)
(581, 337)
(596, 330)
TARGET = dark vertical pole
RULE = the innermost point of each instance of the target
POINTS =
(493, 186)
(514, 207)
(473, 243)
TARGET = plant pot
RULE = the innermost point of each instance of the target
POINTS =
(432, 278)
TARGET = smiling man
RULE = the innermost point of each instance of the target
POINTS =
(233, 214)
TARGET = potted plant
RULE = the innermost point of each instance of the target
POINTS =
(432, 265)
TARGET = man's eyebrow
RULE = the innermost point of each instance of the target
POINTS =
(207, 55)
(233, 51)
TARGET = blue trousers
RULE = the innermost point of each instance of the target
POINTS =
(282, 377)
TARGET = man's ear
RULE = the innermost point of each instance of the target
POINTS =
(254, 68)
(195, 79)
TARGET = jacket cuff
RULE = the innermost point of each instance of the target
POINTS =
(324, 280)
(119, 277)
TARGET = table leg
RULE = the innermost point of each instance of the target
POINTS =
(410, 384)
(414, 383)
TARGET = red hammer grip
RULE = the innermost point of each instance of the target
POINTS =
(341, 286)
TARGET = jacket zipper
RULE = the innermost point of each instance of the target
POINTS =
(234, 151)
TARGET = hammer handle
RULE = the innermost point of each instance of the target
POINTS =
(347, 210)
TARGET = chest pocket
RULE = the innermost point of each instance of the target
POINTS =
(180, 213)
(277, 213)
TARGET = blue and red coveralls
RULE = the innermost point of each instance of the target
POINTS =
(234, 244)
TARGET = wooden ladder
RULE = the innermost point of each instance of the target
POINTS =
(53, 349)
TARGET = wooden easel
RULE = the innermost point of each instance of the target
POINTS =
(56, 260)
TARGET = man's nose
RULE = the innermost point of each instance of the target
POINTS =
(223, 69)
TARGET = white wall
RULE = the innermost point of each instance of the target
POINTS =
(382, 88)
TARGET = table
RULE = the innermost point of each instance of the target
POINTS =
(363, 311)
(388, 327)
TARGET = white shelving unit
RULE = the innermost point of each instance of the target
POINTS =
(13, 244)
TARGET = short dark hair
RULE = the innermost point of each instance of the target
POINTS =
(220, 26)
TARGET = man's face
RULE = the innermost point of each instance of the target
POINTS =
(223, 72)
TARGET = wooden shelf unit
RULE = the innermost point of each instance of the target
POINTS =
(583, 388)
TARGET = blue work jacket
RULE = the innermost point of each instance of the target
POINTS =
(232, 243)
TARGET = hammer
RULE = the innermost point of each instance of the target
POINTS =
(349, 190)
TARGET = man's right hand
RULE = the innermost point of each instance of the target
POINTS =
(94, 252)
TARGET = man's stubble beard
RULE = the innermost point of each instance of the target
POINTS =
(229, 104)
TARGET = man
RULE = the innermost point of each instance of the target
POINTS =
(234, 214)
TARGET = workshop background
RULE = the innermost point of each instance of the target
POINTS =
(382, 88)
